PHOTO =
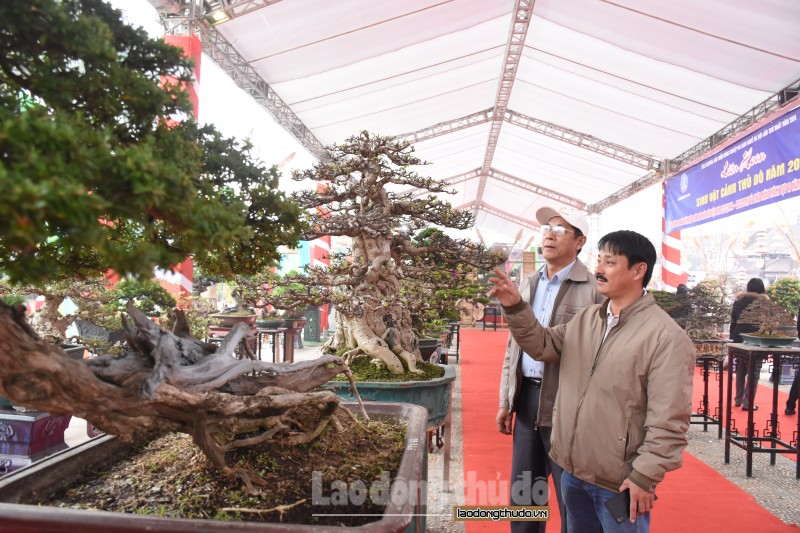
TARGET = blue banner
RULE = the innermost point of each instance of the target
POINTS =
(757, 170)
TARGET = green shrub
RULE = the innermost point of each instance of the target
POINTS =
(786, 292)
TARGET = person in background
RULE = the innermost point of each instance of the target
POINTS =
(791, 403)
(528, 388)
(625, 387)
(755, 289)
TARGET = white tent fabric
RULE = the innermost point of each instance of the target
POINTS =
(649, 76)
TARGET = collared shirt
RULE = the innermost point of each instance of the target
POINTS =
(612, 320)
(542, 305)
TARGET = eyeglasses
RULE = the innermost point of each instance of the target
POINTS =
(556, 230)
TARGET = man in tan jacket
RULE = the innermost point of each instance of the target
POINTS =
(528, 388)
(625, 386)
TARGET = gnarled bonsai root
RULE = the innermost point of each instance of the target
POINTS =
(169, 381)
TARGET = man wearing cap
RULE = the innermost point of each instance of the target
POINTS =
(527, 387)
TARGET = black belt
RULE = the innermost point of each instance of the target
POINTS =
(535, 382)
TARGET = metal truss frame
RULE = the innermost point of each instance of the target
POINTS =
(246, 78)
(523, 12)
(184, 17)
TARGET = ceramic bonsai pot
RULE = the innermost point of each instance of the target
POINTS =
(434, 395)
(231, 319)
(767, 341)
(269, 323)
(427, 347)
(36, 482)
(28, 436)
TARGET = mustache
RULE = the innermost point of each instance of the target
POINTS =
(600, 277)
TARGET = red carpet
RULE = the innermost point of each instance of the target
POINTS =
(694, 498)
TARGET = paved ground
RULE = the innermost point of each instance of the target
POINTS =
(773, 487)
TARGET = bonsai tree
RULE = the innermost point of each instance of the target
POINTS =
(47, 321)
(768, 315)
(93, 176)
(786, 293)
(359, 195)
(708, 310)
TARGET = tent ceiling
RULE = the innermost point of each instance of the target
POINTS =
(516, 104)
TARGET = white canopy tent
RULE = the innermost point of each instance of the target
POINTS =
(517, 104)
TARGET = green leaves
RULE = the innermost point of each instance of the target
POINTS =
(93, 177)
(786, 293)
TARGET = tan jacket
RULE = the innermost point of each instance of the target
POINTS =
(577, 291)
(624, 403)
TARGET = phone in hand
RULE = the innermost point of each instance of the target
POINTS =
(620, 506)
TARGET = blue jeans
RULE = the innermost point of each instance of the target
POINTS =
(587, 511)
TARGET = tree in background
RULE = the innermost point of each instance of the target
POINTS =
(786, 293)
(709, 310)
(93, 176)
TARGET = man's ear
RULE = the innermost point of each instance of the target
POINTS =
(581, 241)
(640, 269)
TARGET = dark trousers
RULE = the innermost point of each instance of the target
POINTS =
(792, 401)
(530, 464)
(741, 381)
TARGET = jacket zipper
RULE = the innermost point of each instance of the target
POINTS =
(583, 395)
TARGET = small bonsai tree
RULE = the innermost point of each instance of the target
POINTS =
(768, 316)
(708, 310)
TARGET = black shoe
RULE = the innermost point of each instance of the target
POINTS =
(789, 411)
(747, 408)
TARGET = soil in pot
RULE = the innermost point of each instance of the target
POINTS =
(170, 477)
(364, 370)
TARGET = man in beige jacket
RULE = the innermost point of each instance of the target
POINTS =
(528, 388)
(625, 387)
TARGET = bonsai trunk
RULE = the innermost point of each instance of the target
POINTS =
(48, 322)
(171, 382)
(370, 335)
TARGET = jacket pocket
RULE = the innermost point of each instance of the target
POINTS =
(633, 440)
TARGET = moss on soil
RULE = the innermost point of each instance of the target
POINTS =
(170, 477)
(364, 370)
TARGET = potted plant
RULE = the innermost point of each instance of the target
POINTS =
(354, 197)
(769, 316)
(703, 311)
(132, 192)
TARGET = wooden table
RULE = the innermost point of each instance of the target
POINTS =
(751, 355)
(273, 335)
(710, 353)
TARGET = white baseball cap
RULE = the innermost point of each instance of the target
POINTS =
(576, 218)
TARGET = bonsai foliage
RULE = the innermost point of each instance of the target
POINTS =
(83, 138)
(767, 315)
(93, 176)
(709, 310)
(48, 321)
(364, 192)
(432, 293)
(678, 306)
(786, 293)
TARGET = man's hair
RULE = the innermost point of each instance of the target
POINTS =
(578, 234)
(637, 248)
(755, 285)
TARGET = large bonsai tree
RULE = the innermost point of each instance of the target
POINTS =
(363, 193)
(93, 176)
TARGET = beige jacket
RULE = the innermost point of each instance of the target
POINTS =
(577, 291)
(624, 403)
